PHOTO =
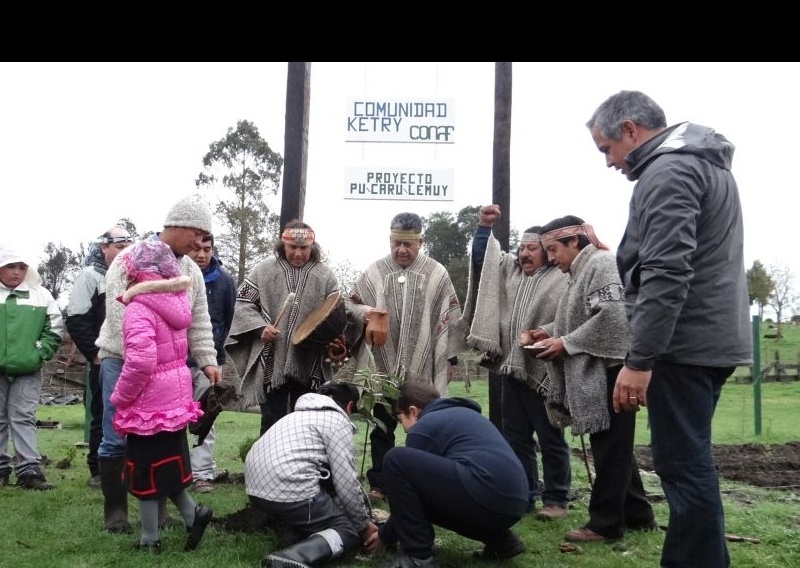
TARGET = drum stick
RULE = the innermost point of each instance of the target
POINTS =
(286, 303)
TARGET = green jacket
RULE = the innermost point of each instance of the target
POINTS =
(31, 328)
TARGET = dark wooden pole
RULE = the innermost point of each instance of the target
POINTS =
(501, 195)
(295, 141)
(501, 164)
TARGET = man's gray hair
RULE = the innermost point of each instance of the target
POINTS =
(626, 105)
(407, 222)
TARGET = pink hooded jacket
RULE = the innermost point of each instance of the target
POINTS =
(154, 390)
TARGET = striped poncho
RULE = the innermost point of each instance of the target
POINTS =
(501, 302)
(422, 306)
(260, 298)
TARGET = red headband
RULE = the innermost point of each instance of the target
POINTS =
(300, 236)
(573, 231)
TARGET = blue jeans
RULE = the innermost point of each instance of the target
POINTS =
(524, 414)
(681, 400)
(112, 445)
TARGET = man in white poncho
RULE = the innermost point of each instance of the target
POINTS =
(420, 343)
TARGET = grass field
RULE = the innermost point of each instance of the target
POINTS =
(63, 527)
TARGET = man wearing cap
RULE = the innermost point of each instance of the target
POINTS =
(187, 222)
(302, 473)
(420, 343)
(31, 329)
(274, 372)
(507, 294)
(86, 311)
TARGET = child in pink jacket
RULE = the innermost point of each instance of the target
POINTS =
(153, 396)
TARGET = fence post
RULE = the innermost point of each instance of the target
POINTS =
(756, 373)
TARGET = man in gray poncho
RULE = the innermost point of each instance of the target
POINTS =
(507, 294)
(585, 346)
(275, 373)
(420, 343)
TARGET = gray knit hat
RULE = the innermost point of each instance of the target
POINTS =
(190, 212)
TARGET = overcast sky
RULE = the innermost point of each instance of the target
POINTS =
(84, 144)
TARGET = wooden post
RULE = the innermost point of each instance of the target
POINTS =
(295, 141)
(501, 195)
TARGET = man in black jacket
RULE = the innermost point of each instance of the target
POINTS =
(681, 261)
(86, 311)
(221, 296)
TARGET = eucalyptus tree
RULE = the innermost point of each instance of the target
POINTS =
(241, 171)
(58, 269)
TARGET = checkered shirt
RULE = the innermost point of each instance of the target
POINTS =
(288, 462)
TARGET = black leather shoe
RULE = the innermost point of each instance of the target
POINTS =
(585, 534)
(202, 516)
(510, 547)
(406, 561)
(646, 527)
(34, 481)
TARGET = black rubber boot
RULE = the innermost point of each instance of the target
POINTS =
(303, 554)
(115, 495)
(202, 516)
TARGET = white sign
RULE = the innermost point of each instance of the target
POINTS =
(399, 184)
(417, 121)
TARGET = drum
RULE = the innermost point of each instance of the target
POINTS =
(324, 324)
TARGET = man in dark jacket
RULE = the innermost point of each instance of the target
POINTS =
(681, 261)
(86, 311)
(456, 471)
(221, 296)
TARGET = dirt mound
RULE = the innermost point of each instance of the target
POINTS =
(775, 466)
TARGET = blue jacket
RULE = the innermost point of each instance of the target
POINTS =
(221, 295)
(454, 428)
